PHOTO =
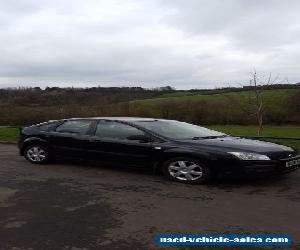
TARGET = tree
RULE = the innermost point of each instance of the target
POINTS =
(255, 105)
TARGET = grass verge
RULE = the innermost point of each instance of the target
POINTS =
(272, 131)
(9, 134)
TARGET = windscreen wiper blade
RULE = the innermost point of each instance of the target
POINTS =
(208, 137)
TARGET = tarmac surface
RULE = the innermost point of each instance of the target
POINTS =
(82, 206)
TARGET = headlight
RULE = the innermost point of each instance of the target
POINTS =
(250, 156)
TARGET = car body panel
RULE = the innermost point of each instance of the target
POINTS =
(210, 151)
(230, 143)
(121, 152)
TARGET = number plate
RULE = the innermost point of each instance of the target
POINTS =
(292, 163)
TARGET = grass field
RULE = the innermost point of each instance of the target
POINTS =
(270, 96)
(269, 131)
(228, 108)
(275, 100)
(272, 131)
(9, 134)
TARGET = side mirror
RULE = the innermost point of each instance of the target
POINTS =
(140, 138)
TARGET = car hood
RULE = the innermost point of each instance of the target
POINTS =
(230, 143)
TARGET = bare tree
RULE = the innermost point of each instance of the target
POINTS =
(256, 100)
(255, 105)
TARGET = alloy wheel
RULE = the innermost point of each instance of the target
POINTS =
(36, 154)
(185, 170)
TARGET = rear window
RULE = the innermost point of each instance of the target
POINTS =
(47, 126)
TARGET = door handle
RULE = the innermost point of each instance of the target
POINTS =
(94, 140)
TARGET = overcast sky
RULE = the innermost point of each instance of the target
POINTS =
(149, 43)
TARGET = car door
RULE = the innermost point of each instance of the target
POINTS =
(71, 138)
(111, 144)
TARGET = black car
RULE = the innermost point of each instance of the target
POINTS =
(184, 152)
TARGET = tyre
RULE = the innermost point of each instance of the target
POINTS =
(37, 154)
(186, 170)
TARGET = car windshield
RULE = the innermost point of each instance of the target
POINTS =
(178, 130)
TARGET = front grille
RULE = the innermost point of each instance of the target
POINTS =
(283, 155)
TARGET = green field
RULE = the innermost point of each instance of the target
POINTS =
(280, 107)
(272, 131)
(269, 131)
(270, 96)
(8, 134)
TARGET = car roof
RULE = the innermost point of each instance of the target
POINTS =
(129, 119)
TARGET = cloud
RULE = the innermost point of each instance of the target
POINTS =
(187, 44)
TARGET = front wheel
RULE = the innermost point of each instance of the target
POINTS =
(186, 170)
(37, 154)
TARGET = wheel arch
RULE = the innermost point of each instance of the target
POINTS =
(32, 141)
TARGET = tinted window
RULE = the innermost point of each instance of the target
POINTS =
(74, 126)
(47, 126)
(116, 130)
(178, 130)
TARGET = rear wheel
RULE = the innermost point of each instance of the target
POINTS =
(186, 170)
(37, 154)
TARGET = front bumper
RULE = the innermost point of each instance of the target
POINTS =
(276, 168)
(247, 168)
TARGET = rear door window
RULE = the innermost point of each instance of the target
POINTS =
(116, 130)
(74, 127)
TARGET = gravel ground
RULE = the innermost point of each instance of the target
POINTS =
(81, 206)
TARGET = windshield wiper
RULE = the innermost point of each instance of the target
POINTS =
(208, 137)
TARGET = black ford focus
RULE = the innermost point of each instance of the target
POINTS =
(184, 152)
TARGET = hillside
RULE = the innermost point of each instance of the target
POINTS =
(282, 106)
(222, 106)
(29, 105)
